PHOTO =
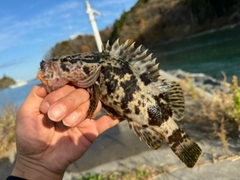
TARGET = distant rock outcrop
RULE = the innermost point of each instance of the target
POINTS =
(6, 81)
(202, 81)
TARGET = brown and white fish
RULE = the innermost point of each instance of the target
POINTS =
(127, 82)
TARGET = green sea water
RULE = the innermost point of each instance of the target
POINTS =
(212, 53)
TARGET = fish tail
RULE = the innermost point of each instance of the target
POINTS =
(184, 147)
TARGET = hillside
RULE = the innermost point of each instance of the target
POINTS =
(82, 43)
(152, 22)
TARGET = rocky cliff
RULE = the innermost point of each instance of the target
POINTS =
(152, 22)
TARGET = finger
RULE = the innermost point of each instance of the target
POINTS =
(105, 122)
(79, 114)
(91, 129)
(28, 117)
(55, 96)
(34, 98)
(66, 105)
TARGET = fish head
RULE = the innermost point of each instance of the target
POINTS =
(50, 75)
(81, 70)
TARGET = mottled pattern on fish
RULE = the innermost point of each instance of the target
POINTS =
(127, 82)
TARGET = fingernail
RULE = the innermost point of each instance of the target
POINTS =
(57, 112)
(71, 119)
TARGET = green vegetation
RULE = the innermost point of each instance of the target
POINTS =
(192, 89)
(117, 26)
(140, 173)
(234, 109)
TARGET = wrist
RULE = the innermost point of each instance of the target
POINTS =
(34, 171)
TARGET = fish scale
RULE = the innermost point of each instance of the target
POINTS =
(127, 82)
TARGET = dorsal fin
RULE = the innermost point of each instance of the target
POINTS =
(107, 47)
(140, 61)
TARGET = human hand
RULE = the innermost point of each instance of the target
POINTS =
(52, 132)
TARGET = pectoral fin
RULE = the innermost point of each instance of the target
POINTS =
(94, 97)
(172, 93)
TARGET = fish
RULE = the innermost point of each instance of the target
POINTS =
(128, 83)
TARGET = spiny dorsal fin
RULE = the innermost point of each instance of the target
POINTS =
(107, 47)
(140, 61)
(172, 93)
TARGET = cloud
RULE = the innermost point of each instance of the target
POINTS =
(61, 8)
(5, 20)
(56, 21)
(111, 3)
(12, 30)
(12, 63)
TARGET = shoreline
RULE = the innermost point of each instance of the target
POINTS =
(196, 35)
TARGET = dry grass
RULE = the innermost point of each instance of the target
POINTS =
(222, 134)
(210, 106)
(218, 109)
(7, 127)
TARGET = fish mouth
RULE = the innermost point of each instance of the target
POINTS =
(45, 82)
(49, 75)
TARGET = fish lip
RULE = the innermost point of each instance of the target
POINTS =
(45, 82)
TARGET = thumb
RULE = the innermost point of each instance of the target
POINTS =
(34, 99)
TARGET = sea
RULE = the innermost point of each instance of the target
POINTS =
(211, 53)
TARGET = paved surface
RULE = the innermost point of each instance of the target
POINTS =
(119, 149)
(7, 163)
(227, 170)
(117, 143)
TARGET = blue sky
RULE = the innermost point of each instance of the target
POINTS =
(28, 29)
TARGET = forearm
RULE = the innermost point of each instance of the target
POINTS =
(33, 171)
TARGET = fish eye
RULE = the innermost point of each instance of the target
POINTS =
(64, 60)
